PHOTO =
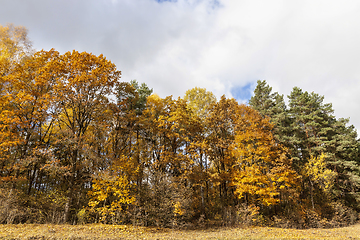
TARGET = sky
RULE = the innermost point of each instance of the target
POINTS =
(224, 46)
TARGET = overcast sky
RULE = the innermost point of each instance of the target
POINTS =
(224, 46)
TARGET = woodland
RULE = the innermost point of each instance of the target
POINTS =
(78, 145)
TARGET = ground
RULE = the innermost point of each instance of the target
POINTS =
(99, 231)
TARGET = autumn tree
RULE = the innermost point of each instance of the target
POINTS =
(162, 147)
(126, 135)
(199, 100)
(27, 117)
(14, 46)
(15, 43)
(126, 125)
(110, 193)
(318, 174)
(84, 83)
(262, 172)
(221, 124)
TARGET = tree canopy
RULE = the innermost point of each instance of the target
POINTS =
(77, 145)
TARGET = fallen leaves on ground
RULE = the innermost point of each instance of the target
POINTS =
(101, 231)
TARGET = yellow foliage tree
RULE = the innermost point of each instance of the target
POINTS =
(315, 169)
(14, 43)
(262, 170)
(110, 192)
(199, 100)
(83, 84)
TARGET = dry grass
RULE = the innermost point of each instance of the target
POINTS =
(98, 231)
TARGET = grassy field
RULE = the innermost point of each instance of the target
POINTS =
(98, 231)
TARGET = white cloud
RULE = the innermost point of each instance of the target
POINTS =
(220, 45)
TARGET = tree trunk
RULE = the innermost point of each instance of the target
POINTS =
(70, 197)
(311, 195)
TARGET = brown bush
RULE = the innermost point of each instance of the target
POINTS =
(10, 211)
(343, 215)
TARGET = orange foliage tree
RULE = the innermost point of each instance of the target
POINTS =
(27, 117)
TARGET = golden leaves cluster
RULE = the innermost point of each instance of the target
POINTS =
(262, 169)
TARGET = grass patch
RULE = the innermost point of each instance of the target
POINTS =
(100, 231)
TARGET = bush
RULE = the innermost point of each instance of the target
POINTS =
(248, 215)
(10, 211)
(343, 215)
(165, 203)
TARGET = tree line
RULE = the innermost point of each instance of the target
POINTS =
(78, 145)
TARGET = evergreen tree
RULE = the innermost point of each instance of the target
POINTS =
(316, 131)
(311, 124)
(343, 152)
(272, 105)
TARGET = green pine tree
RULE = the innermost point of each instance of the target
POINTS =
(272, 105)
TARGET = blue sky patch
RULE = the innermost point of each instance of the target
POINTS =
(242, 93)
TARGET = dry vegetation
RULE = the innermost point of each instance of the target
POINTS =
(99, 231)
